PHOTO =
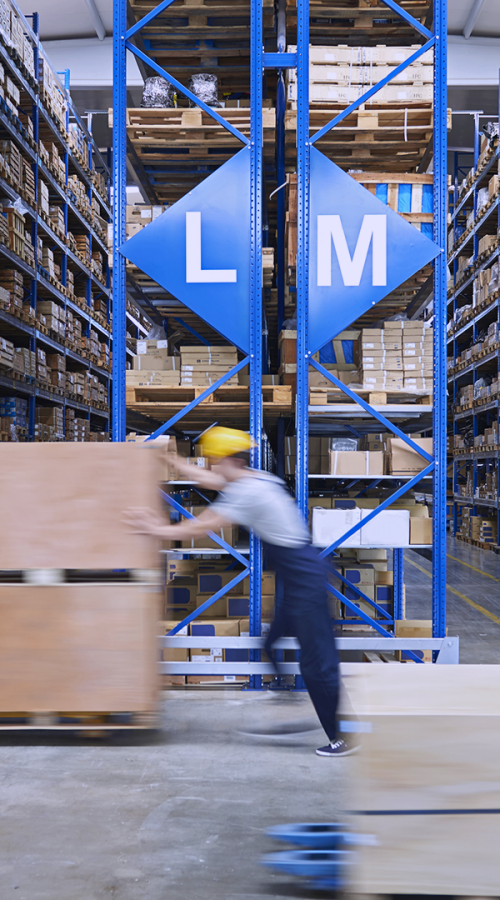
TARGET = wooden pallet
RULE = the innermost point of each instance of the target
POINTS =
(277, 394)
(91, 724)
(370, 136)
(323, 396)
(191, 129)
(357, 21)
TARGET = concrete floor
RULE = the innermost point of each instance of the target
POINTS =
(182, 814)
(179, 816)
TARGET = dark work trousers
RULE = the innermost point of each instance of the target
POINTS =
(303, 613)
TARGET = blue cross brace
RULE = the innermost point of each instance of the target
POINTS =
(199, 250)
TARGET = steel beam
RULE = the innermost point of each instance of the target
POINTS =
(256, 178)
(439, 308)
(119, 218)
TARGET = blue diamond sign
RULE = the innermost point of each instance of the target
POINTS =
(359, 250)
(199, 250)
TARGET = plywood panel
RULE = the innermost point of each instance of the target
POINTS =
(62, 505)
(432, 854)
(78, 648)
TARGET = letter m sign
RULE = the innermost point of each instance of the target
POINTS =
(360, 250)
(373, 229)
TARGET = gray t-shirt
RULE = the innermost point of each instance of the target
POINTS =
(261, 503)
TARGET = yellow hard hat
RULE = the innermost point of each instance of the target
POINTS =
(219, 442)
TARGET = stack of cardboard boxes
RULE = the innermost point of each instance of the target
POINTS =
(203, 366)
(318, 455)
(477, 528)
(190, 583)
(153, 365)
(397, 357)
(381, 358)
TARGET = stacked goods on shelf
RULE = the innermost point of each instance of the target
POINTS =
(12, 283)
(367, 570)
(190, 583)
(397, 357)
(405, 523)
(52, 94)
(24, 361)
(203, 366)
(342, 74)
(13, 418)
(488, 489)
(6, 353)
(477, 528)
(77, 142)
(140, 215)
(153, 365)
(319, 461)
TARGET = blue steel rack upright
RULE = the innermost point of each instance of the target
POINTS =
(259, 61)
(436, 40)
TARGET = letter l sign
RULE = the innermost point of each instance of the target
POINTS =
(194, 273)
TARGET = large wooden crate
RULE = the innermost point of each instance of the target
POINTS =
(70, 649)
(63, 503)
(427, 784)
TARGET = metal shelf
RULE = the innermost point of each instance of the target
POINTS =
(419, 417)
(479, 224)
(488, 167)
(484, 265)
(474, 365)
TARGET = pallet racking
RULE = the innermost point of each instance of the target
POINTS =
(416, 18)
(473, 343)
(54, 188)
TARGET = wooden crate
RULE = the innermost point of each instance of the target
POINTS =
(72, 649)
(427, 780)
(63, 505)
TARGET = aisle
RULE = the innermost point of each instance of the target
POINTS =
(180, 814)
(473, 598)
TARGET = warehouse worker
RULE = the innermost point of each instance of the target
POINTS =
(258, 501)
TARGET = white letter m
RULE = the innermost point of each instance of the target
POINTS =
(374, 228)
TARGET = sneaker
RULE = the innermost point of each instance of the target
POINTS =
(337, 748)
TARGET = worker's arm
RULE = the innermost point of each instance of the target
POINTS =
(145, 521)
(204, 477)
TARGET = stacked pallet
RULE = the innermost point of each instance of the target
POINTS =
(189, 137)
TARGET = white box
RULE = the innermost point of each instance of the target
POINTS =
(328, 525)
(389, 528)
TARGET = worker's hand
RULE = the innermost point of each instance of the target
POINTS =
(146, 521)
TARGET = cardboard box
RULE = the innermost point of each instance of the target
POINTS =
(389, 528)
(403, 460)
(356, 462)
(413, 628)
(420, 530)
(156, 361)
(213, 628)
(328, 525)
(215, 609)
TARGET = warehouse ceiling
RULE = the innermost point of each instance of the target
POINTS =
(71, 19)
(482, 15)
